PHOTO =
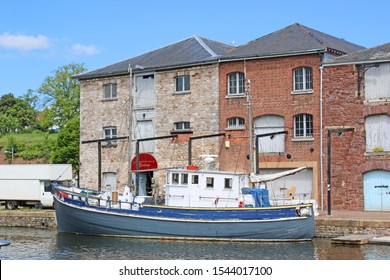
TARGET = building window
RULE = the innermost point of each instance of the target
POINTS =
(378, 133)
(236, 83)
(377, 83)
(303, 79)
(209, 182)
(110, 132)
(109, 180)
(109, 91)
(228, 183)
(236, 123)
(182, 83)
(182, 126)
(303, 126)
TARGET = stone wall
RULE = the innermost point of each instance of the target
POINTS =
(334, 228)
(41, 219)
(346, 107)
(95, 114)
(199, 106)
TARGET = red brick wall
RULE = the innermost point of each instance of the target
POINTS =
(271, 91)
(344, 108)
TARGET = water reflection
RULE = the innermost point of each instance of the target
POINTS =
(43, 244)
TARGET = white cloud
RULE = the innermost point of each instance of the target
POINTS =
(85, 49)
(24, 42)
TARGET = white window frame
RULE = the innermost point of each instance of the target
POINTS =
(304, 123)
(305, 82)
(182, 126)
(110, 134)
(377, 133)
(112, 91)
(235, 123)
(236, 84)
(210, 181)
(228, 183)
(182, 84)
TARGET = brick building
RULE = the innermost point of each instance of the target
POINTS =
(356, 91)
(285, 87)
(200, 87)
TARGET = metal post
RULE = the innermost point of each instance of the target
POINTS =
(329, 173)
(250, 125)
(99, 166)
(137, 168)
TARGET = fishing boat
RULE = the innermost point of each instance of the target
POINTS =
(198, 205)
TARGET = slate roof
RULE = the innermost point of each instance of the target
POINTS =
(372, 55)
(189, 51)
(292, 39)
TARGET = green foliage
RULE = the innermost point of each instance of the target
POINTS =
(63, 94)
(35, 145)
(10, 148)
(16, 114)
(67, 149)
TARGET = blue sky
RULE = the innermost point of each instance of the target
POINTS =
(37, 37)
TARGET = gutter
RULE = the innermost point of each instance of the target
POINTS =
(356, 62)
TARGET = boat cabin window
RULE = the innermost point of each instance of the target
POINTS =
(228, 183)
(184, 179)
(209, 182)
(175, 178)
(195, 179)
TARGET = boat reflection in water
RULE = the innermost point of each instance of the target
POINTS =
(44, 244)
(70, 246)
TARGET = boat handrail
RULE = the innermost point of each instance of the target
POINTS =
(109, 202)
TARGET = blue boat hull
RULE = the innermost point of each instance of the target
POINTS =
(261, 224)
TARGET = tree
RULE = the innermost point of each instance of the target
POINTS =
(63, 94)
(67, 149)
(16, 114)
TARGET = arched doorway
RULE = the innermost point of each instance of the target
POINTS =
(144, 176)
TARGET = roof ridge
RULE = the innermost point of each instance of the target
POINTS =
(205, 46)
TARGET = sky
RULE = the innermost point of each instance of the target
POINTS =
(38, 37)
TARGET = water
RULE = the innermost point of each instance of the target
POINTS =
(46, 244)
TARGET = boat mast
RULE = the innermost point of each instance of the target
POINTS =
(130, 142)
(250, 117)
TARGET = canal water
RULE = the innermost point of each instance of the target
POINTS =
(48, 244)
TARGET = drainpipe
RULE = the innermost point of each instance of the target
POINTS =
(321, 139)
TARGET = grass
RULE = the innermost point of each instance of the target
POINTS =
(29, 141)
